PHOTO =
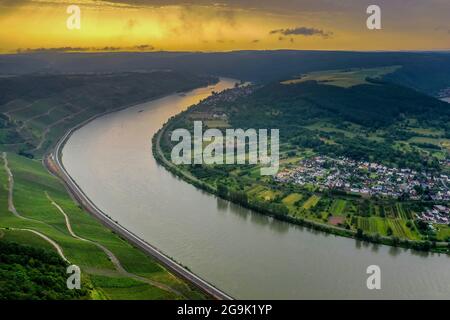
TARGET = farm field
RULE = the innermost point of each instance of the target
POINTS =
(311, 202)
(344, 78)
(338, 207)
(291, 199)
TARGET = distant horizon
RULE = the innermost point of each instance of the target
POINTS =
(30, 51)
(223, 25)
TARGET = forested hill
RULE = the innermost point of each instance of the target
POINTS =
(424, 71)
(372, 105)
(374, 120)
(37, 109)
(28, 273)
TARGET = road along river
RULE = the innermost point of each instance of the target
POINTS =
(245, 254)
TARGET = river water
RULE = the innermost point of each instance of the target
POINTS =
(246, 254)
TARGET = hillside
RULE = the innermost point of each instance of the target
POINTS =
(428, 72)
(35, 208)
(372, 105)
(42, 274)
(35, 110)
(359, 156)
(371, 120)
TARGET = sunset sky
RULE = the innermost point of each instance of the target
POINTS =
(223, 25)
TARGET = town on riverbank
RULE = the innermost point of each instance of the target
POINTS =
(325, 180)
(368, 179)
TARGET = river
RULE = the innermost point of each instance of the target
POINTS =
(248, 255)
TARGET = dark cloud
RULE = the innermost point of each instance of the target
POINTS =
(270, 5)
(141, 47)
(7, 6)
(255, 41)
(59, 49)
(303, 31)
(144, 47)
(12, 3)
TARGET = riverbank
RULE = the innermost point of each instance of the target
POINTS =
(112, 266)
(54, 164)
(246, 254)
(437, 247)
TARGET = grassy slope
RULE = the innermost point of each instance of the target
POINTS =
(35, 111)
(31, 184)
(40, 109)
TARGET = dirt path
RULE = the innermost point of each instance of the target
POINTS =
(8, 113)
(11, 206)
(47, 113)
(48, 128)
(13, 209)
(43, 236)
(115, 261)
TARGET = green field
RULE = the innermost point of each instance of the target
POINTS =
(344, 78)
(32, 183)
(291, 199)
(372, 225)
(129, 289)
(338, 207)
(311, 202)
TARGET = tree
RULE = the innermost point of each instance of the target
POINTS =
(389, 231)
(222, 190)
(359, 233)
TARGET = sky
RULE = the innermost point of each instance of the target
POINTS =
(222, 25)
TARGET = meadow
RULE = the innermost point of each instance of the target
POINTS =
(344, 78)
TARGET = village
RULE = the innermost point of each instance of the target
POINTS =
(444, 94)
(210, 108)
(438, 214)
(367, 178)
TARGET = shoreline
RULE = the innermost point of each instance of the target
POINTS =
(329, 229)
(53, 162)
